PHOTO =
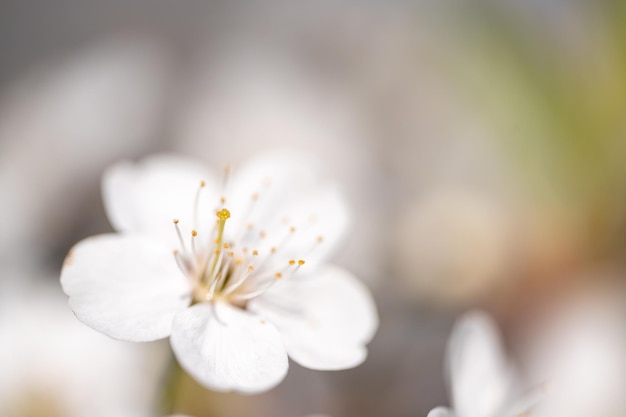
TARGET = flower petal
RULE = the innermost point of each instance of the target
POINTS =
(481, 378)
(440, 412)
(127, 287)
(280, 190)
(145, 197)
(228, 349)
(325, 320)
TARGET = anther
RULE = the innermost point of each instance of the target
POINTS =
(292, 262)
(226, 246)
(194, 233)
(223, 214)
(255, 252)
(175, 221)
(292, 229)
(222, 200)
(202, 184)
(320, 239)
(250, 268)
(273, 249)
(301, 262)
(255, 196)
(262, 234)
(278, 275)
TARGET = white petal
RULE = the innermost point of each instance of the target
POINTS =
(127, 287)
(228, 349)
(289, 191)
(480, 376)
(440, 412)
(146, 196)
(325, 320)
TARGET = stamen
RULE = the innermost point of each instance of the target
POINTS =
(178, 262)
(180, 237)
(226, 181)
(194, 233)
(196, 204)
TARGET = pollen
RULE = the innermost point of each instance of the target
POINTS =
(250, 268)
(226, 246)
(278, 275)
(301, 262)
(292, 229)
(222, 200)
(255, 252)
(320, 239)
(194, 233)
(202, 184)
(273, 249)
(292, 262)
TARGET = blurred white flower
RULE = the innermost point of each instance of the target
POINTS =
(241, 290)
(481, 379)
(580, 351)
(89, 109)
(55, 367)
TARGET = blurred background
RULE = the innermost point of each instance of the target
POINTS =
(482, 145)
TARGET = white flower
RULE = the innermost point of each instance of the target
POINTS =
(482, 382)
(237, 291)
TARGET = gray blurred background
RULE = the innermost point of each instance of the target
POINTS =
(481, 145)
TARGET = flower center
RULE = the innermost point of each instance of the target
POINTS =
(236, 269)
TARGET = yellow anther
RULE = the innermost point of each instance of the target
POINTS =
(250, 268)
(292, 229)
(292, 262)
(301, 262)
(278, 275)
(255, 252)
(250, 226)
(262, 234)
(231, 254)
(175, 221)
(222, 200)
(273, 249)
(194, 233)
(255, 196)
(238, 261)
(223, 214)
(202, 183)
(245, 250)
(320, 239)
(175, 251)
(226, 246)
